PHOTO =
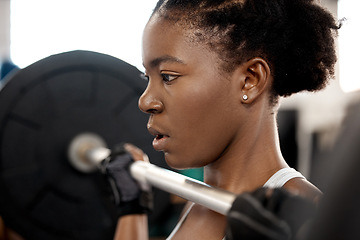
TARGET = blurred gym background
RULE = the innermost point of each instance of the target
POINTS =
(308, 123)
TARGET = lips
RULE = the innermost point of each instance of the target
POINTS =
(160, 140)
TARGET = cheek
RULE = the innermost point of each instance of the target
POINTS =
(206, 103)
(196, 106)
(202, 93)
(203, 124)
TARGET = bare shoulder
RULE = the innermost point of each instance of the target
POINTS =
(304, 188)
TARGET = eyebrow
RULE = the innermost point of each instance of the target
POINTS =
(157, 61)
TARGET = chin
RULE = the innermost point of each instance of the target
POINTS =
(178, 163)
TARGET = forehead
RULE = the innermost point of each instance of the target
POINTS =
(160, 33)
(163, 39)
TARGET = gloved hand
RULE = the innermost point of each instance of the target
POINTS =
(269, 214)
(129, 196)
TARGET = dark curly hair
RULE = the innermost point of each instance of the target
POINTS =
(295, 37)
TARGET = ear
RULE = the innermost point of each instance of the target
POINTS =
(254, 78)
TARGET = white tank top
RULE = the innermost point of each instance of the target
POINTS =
(275, 181)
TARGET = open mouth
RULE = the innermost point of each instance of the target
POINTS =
(160, 141)
(159, 136)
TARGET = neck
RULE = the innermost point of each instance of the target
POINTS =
(248, 163)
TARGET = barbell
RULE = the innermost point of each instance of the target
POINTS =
(87, 152)
(59, 118)
(45, 194)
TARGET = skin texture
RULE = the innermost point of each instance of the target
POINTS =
(200, 89)
(128, 227)
(199, 119)
(222, 133)
(205, 122)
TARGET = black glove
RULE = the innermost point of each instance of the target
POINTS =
(269, 214)
(127, 194)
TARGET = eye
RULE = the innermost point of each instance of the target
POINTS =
(169, 77)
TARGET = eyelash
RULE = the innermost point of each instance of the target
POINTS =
(167, 78)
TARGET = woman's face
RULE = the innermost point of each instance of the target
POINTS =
(193, 106)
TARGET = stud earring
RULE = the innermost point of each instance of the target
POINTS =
(245, 97)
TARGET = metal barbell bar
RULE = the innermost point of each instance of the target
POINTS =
(87, 151)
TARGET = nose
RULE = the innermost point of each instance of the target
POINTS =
(149, 101)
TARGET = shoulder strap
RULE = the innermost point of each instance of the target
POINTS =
(281, 177)
(182, 219)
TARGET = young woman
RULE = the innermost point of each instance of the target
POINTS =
(216, 71)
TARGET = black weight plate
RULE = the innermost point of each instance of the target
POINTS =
(43, 107)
